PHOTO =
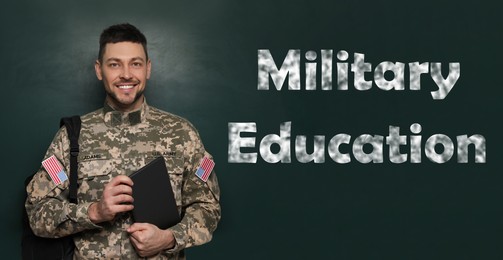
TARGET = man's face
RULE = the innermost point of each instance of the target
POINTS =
(124, 71)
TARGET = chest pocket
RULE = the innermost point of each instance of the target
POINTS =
(175, 166)
(94, 173)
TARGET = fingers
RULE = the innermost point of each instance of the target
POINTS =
(119, 194)
(118, 191)
(123, 179)
(121, 208)
(119, 185)
(135, 242)
(137, 227)
(148, 239)
(137, 232)
(117, 197)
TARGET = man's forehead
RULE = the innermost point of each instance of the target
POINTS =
(124, 50)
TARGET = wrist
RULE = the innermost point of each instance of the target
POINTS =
(92, 212)
(169, 239)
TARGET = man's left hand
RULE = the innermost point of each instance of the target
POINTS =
(149, 240)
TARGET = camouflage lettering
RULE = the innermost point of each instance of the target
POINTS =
(283, 140)
(445, 85)
(236, 142)
(394, 140)
(447, 144)
(415, 143)
(415, 71)
(326, 69)
(290, 68)
(276, 148)
(311, 70)
(342, 70)
(359, 67)
(318, 154)
(480, 148)
(398, 74)
(333, 148)
(375, 156)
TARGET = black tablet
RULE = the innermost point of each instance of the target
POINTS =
(154, 201)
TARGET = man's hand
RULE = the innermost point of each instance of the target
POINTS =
(117, 197)
(149, 240)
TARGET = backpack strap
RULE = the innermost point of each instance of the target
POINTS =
(72, 125)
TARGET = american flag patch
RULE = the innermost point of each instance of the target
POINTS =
(205, 167)
(55, 170)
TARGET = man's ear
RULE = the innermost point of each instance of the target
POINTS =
(97, 69)
(149, 67)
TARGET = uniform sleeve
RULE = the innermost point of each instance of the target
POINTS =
(49, 211)
(200, 200)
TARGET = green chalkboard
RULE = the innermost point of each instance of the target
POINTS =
(205, 68)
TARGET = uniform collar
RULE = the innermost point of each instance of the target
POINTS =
(113, 117)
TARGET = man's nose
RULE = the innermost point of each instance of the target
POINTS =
(126, 74)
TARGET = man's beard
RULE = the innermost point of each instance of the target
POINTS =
(116, 101)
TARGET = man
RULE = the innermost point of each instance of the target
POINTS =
(115, 141)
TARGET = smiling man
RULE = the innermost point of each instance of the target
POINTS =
(115, 141)
(124, 69)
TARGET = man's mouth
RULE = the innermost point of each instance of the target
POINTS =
(126, 85)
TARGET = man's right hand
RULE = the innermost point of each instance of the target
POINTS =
(117, 197)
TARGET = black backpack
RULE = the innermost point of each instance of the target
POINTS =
(39, 248)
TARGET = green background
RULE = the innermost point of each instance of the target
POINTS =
(204, 56)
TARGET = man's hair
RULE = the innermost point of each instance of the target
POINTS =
(121, 33)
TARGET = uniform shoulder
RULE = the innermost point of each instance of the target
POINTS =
(92, 116)
(164, 119)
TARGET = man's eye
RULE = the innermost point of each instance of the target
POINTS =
(137, 64)
(113, 65)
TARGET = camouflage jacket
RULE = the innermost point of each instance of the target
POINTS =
(114, 143)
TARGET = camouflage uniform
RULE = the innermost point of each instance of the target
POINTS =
(114, 143)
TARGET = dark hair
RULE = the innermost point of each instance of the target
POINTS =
(121, 33)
